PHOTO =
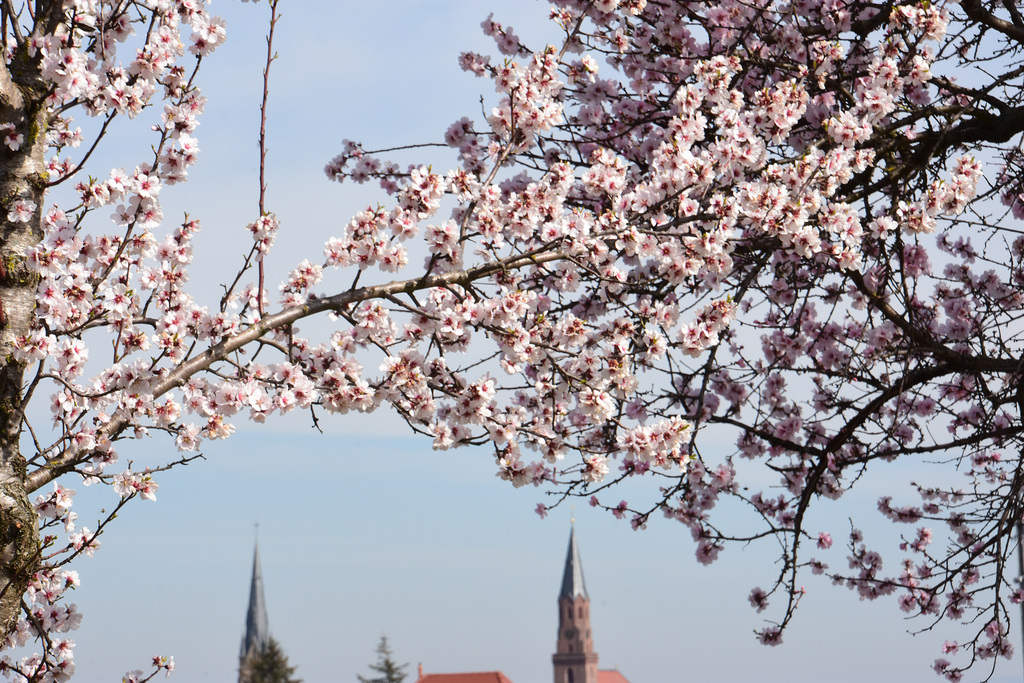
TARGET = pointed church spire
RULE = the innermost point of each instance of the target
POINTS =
(573, 585)
(575, 660)
(257, 626)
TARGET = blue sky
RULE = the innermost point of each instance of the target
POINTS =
(365, 531)
(368, 535)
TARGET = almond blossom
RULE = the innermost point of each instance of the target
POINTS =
(676, 220)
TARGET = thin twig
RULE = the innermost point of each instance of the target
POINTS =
(263, 134)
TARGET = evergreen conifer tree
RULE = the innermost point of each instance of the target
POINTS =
(388, 670)
(270, 665)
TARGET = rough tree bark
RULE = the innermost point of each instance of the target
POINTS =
(22, 177)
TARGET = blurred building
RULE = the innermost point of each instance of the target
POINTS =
(575, 660)
(257, 625)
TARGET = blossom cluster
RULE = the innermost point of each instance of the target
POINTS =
(679, 218)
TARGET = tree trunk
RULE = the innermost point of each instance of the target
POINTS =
(22, 178)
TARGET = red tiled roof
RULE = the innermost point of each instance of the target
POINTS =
(473, 677)
(611, 676)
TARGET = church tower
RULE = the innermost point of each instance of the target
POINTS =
(574, 659)
(257, 626)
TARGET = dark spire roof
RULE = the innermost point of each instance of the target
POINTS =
(573, 585)
(257, 626)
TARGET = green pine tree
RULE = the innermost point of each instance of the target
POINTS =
(270, 665)
(385, 666)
